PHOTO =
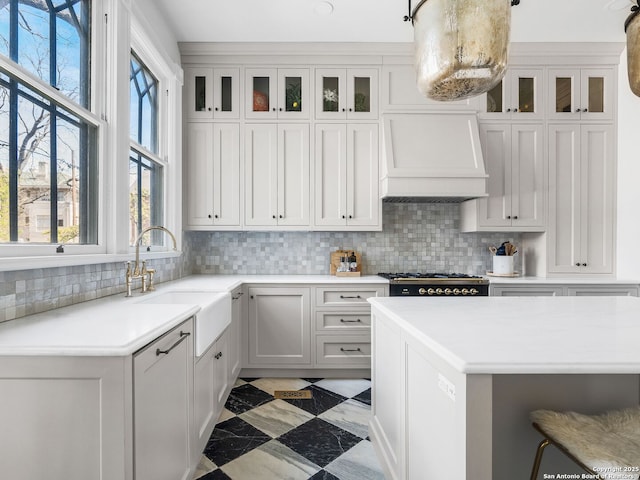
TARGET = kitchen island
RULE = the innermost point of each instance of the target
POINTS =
(454, 381)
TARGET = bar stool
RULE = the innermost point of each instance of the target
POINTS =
(607, 445)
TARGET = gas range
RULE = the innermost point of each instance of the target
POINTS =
(436, 284)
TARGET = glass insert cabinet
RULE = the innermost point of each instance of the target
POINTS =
(212, 93)
(518, 95)
(277, 93)
(585, 94)
(350, 93)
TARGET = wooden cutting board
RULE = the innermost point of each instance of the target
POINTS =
(335, 260)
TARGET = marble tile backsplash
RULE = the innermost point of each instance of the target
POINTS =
(415, 237)
(25, 292)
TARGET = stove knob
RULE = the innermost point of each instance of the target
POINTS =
(431, 291)
(439, 291)
(422, 291)
(456, 291)
(474, 291)
(465, 291)
(448, 291)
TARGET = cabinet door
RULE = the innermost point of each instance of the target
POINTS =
(162, 375)
(564, 199)
(581, 94)
(226, 94)
(526, 291)
(199, 93)
(279, 326)
(226, 174)
(261, 175)
(204, 401)
(518, 95)
(331, 175)
(261, 93)
(604, 291)
(293, 175)
(597, 179)
(235, 332)
(363, 202)
(331, 94)
(527, 176)
(293, 88)
(362, 91)
(200, 174)
(494, 210)
(220, 371)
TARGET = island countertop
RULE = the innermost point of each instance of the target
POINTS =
(535, 335)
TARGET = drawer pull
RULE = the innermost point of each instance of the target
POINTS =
(350, 349)
(218, 356)
(350, 321)
(350, 296)
(183, 336)
(239, 295)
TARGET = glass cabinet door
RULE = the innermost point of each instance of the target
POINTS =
(517, 95)
(199, 92)
(225, 93)
(347, 93)
(580, 93)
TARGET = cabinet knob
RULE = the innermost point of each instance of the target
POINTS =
(274, 109)
(215, 216)
(350, 216)
(577, 110)
(585, 109)
(508, 216)
(578, 264)
(515, 217)
(351, 109)
(344, 216)
(515, 109)
(584, 264)
(281, 216)
(209, 215)
(508, 109)
(216, 109)
(209, 108)
(343, 109)
(273, 216)
(280, 109)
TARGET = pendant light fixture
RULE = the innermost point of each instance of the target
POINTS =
(461, 46)
(632, 29)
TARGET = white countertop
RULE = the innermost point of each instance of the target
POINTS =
(535, 335)
(116, 325)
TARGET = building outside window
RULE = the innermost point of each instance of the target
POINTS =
(146, 168)
(48, 137)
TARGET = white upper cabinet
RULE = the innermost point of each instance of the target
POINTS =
(346, 177)
(350, 93)
(212, 93)
(277, 175)
(277, 93)
(518, 96)
(581, 94)
(515, 161)
(581, 198)
(213, 173)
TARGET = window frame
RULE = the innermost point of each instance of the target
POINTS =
(116, 26)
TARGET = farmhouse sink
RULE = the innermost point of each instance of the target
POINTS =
(214, 315)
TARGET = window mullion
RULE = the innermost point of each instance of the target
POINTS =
(13, 160)
(53, 175)
(53, 80)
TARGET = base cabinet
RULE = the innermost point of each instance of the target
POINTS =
(162, 379)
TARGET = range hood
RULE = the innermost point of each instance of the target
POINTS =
(432, 157)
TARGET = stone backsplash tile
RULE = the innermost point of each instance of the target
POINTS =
(415, 237)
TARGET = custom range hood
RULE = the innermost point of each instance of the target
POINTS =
(431, 157)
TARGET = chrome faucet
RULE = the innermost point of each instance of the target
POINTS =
(139, 269)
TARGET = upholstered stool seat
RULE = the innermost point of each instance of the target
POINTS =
(607, 444)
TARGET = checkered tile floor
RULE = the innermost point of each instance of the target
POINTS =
(259, 437)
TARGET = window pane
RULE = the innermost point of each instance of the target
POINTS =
(145, 194)
(143, 107)
(49, 168)
(52, 44)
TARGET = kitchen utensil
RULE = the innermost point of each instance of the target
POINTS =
(493, 250)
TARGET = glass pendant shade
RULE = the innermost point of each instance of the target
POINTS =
(461, 46)
(632, 28)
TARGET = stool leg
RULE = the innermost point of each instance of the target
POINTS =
(538, 459)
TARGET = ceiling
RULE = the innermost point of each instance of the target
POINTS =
(377, 20)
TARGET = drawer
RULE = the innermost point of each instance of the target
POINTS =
(343, 350)
(352, 321)
(333, 296)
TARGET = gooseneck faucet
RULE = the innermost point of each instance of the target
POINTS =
(139, 269)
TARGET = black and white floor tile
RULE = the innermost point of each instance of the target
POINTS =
(259, 437)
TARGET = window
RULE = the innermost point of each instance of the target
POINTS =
(145, 166)
(48, 137)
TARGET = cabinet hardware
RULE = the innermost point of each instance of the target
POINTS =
(585, 110)
(350, 296)
(218, 355)
(183, 336)
(515, 217)
(209, 109)
(508, 109)
(577, 110)
(239, 295)
(343, 109)
(216, 109)
(344, 216)
(350, 321)
(273, 216)
(273, 109)
(508, 216)
(584, 264)
(215, 216)
(209, 215)
(350, 349)
(280, 109)
(578, 264)
(251, 297)
(351, 109)
(281, 216)
(515, 109)
(350, 216)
